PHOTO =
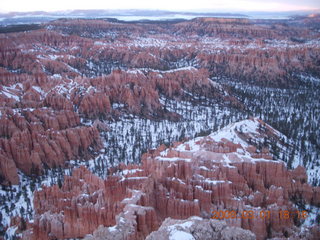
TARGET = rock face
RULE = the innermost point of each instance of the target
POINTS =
(31, 140)
(220, 176)
(198, 228)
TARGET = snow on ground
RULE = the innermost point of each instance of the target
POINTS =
(131, 171)
(313, 213)
(173, 159)
(16, 201)
(295, 113)
(130, 136)
(178, 231)
(248, 127)
(12, 91)
(11, 233)
(178, 235)
(148, 42)
(313, 171)
(10, 95)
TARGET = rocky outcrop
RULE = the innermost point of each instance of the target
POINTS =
(198, 228)
(239, 48)
(218, 176)
(40, 121)
(94, 104)
(34, 139)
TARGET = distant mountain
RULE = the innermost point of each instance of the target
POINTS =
(133, 15)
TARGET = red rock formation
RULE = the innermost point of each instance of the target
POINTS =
(248, 55)
(53, 60)
(53, 76)
(31, 139)
(193, 178)
(49, 71)
(94, 104)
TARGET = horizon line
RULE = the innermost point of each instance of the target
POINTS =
(166, 10)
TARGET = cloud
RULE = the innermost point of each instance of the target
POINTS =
(214, 5)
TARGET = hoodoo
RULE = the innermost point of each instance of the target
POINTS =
(221, 177)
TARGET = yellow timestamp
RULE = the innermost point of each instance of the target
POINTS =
(262, 214)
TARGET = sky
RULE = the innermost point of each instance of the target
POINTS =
(201, 5)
